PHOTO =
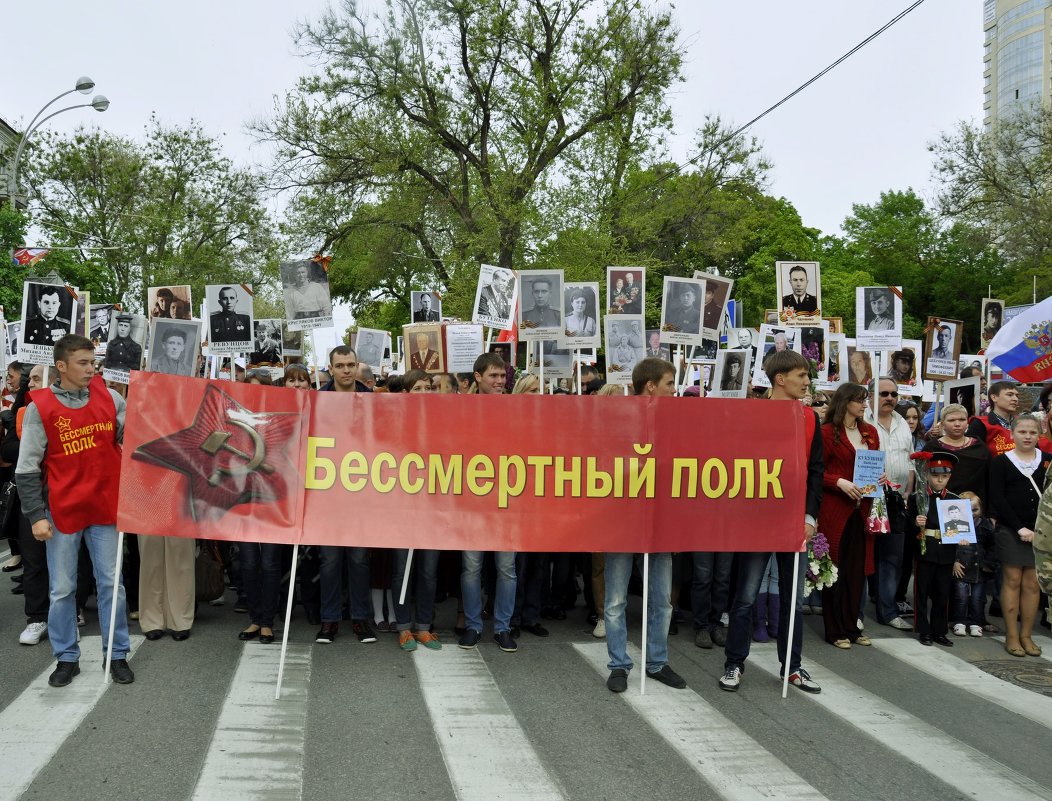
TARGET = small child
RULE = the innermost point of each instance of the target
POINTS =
(934, 572)
(969, 591)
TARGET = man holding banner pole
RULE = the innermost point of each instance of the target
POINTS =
(788, 373)
(76, 426)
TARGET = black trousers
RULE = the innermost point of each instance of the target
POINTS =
(34, 572)
(931, 582)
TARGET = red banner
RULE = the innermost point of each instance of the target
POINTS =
(231, 461)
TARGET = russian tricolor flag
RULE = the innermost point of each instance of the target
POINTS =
(1023, 347)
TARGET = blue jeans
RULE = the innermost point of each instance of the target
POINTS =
(425, 566)
(62, 554)
(659, 609)
(888, 552)
(471, 590)
(261, 580)
(710, 588)
(751, 569)
(329, 574)
(969, 600)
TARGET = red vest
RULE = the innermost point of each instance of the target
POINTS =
(83, 460)
(998, 438)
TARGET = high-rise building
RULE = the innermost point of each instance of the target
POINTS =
(1017, 68)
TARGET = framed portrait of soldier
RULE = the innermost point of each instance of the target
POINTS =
(99, 316)
(836, 324)
(904, 366)
(126, 346)
(859, 367)
(732, 373)
(836, 359)
(14, 338)
(506, 351)
(174, 345)
(230, 315)
(581, 316)
(942, 348)
(878, 317)
(423, 344)
(540, 304)
(681, 301)
(773, 339)
(655, 348)
(48, 312)
(714, 304)
(799, 292)
(625, 290)
(624, 347)
(964, 391)
(266, 343)
(993, 312)
(291, 340)
(557, 360)
(308, 303)
(369, 345)
(169, 302)
(495, 297)
(426, 306)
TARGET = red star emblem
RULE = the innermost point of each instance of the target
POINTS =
(231, 455)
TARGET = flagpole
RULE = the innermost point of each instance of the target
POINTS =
(114, 594)
(288, 619)
(643, 643)
(405, 576)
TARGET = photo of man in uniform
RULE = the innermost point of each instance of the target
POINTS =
(902, 362)
(541, 314)
(942, 346)
(100, 327)
(227, 325)
(633, 294)
(47, 326)
(684, 314)
(799, 300)
(172, 358)
(880, 309)
(654, 347)
(494, 301)
(123, 352)
(423, 356)
(424, 313)
(369, 350)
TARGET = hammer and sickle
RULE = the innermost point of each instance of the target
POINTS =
(217, 441)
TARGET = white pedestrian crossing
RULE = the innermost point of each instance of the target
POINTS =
(34, 726)
(734, 764)
(257, 748)
(477, 731)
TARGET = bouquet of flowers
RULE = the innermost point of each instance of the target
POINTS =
(821, 572)
(920, 467)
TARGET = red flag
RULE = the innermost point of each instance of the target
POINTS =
(25, 256)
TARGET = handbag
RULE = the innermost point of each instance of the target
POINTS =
(878, 522)
(208, 572)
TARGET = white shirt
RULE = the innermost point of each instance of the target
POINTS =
(897, 445)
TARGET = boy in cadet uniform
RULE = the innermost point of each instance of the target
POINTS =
(934, 574)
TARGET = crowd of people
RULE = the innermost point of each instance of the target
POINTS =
(59, 512)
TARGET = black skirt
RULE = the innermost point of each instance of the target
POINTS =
(1013, 551)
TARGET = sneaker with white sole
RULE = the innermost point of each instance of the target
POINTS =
(33, 633)
(731, 679)
(975, 631)
(802, 679)
(599, 632)
(900, 624)
(959, 630)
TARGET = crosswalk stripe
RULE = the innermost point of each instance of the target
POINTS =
(477, 731)
(733, 763)
(257, 747)
(937, 662)
(970, 771)
(35, 725)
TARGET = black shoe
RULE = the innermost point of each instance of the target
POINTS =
(925, 639)
(63, 674)
(618, 681)
(363, 631)
(505, 642)
(942, 639)
(669, 677)
(470, 638)
(18, 579)
(153, 634)
(12, 569)
(536, 629)
(179, 636)
(17, 590)
(266, 639)
(325, 636)
(121, 673)
(251, 635)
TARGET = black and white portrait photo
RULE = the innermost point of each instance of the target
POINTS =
(772, 340)
(741, 338)
(942, 348)
(993, 313)
(14, 335)
(557, 360)
(799, 291)
(495, 298)
(655, 348)
(426, 305)
(169, 302)
(878, 317)
(291, 341)
(732, 373)
(624, 347)
(174, 346)
(580, 315)
(540, 304)
(714, 305)
(124, 351)
(506, 350)
(624, 290)
(681, 311)
(229, 309)
(99, 323)
(305, 285)
(48, 311)
(266, 343)
(369, 345)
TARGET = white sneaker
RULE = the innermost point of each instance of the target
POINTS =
(975, 631)
(900, 624)
(959, 630)
(33, 633)
(599, 632)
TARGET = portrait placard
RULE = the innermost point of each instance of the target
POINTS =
(773, 338)
(836, 361)
(964, 391)
(580, 315)
(681, 311)
(308, 303)
(906, 367)
(291, 341)
(369, 344)
(48, 312)
(732, 370)
(506, 351)
(558, 361)
(464, 344)
(124, 351)
(992, 315)
(742, 338)
(971, 360)
(624, 346)
(799, 292)
(174, 346)
(654, 347)
(625, 290)
(229, 308)
(424, 346)
(836, 324)
(426, 306)
(14, 339)
(942, 346)
(540, 306)
(495, 298)
(814, 340)
(169, 302)
(878, 317)
(266, 343)
(955, 520)
(714, 318)
(81, 319)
